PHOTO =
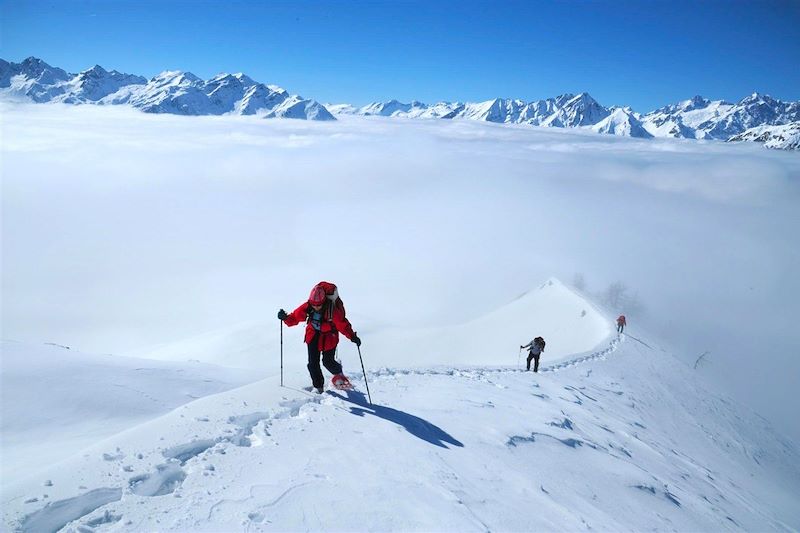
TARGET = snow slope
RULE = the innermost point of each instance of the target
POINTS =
(57, 401)
(569, 324)
(624, 437)
(254, 344)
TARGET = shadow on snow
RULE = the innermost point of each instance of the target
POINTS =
(413, 424)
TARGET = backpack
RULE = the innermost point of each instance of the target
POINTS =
(540, 342)
(333, 300)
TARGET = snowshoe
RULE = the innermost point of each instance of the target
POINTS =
(340, 382)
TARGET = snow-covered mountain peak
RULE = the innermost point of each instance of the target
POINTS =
(695, 102)
(96, 71)
(32, 79)
(692, 104)
(36, 69)
(99, 73)
(392, 108)
(760, 103)
(622, 121)
(562, 99)
(341, 109)
(554, 289)
(174, 77)
(580, 110)
(584, 99)
(96, 83)
(244, 78)
(757, 98)
(238, 78)
(33, 64)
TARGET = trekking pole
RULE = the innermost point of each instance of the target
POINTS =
(281, 353)
(638, 340)
(365, 374)
(519, 357)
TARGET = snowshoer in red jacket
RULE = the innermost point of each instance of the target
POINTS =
(621, 323)
(325, 318)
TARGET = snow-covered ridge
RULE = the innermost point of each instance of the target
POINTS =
(785, 137)
(623, 437)
(174, 92)
(700, 118)
(695, 118)
(84, 397)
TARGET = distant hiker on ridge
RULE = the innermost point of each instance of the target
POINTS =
(324, 315)
(621, 323)
(535, 349)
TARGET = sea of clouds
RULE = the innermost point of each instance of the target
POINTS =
(122, 230)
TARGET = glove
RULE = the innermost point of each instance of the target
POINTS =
(356, 340)
(282, 314)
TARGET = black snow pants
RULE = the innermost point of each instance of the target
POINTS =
(328, 360)
(535, 358)
(620, 327)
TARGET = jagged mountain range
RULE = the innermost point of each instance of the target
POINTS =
(175, 92)
(757, 118)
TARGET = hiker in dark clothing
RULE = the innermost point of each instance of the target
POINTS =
(535, 349)
(621, 323)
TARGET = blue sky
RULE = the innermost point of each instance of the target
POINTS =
(644, 54)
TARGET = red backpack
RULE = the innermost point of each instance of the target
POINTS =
(326, 292)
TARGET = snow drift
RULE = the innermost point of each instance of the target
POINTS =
(57, 401)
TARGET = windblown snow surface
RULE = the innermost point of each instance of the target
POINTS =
(56, 401)
(616, 435)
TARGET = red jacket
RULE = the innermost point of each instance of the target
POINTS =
(333, 321)
(621, 320)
